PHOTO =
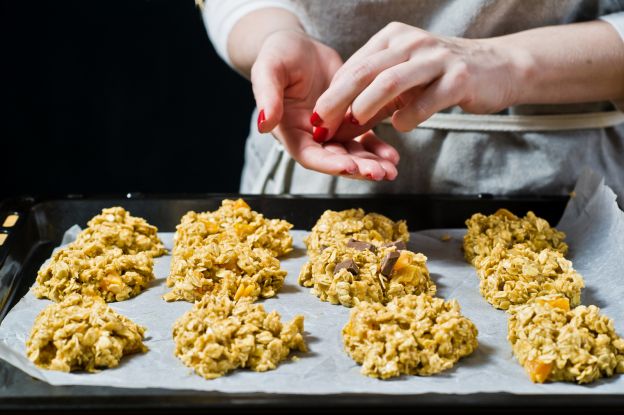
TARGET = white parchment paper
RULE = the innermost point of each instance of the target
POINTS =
(595, 228)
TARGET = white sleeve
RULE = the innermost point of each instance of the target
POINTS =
(617, 21)
(220, 16)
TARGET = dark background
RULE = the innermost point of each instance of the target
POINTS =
(116, 96)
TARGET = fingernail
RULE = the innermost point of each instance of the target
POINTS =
(353, 120)
(320, 134)
(369, 176)
(316, 119)
(261, 120)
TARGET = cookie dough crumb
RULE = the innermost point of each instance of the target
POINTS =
(514, 276)
(346, 276)
(227, 267)
(413, 335)
(82, 333)
(115, 227)
(93, 269)
(503, 227)
(555, 343)
(446, 237)
(219, 335)
(337, 228)
(236, 221)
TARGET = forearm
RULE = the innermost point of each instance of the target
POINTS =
(581, 62)
(251, 30)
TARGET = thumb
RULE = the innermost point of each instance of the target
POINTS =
(268, 81)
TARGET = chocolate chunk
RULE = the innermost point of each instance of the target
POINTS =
(361, 246)
(399, 245)
(387, 264)
(349, 265)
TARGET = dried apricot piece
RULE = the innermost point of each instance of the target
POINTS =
(404, 261)
(538, 370)
(240, 203)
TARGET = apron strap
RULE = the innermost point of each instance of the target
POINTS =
(518, 123)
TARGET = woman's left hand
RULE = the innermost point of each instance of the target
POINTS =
(411, 74)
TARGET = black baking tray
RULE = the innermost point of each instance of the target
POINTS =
(43, 220)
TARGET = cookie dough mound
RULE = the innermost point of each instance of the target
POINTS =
(343, 275)
(336, 228)
(219, 335)
(555, 343)
(516, 275)
(82, 333)
(236, 221)
(413, 335)
(115, 227)
(95, 270)
(503, 227)
(226, 267)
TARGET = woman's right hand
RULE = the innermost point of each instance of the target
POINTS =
(290, 73)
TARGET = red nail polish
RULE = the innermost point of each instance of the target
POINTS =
(261, 120)
(320, 134)
(353, 120)
(316, 119)
(344, 173)
(369, 176)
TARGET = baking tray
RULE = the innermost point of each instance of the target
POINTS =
(43, 220)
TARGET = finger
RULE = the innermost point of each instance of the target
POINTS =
(333, 104)
(443, 93)
(367, 163)
(392, 82)
(268, 83)
(313, 156)
(376, 43)
(380, 148)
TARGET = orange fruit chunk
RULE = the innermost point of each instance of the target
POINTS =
(240, 203)
(538, 370)
(404, 261)
(562, 303)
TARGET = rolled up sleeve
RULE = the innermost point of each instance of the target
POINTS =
(617, 21)
(220, 16)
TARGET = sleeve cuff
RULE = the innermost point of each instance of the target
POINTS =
(220, 17)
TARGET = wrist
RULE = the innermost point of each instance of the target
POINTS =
(520, 70)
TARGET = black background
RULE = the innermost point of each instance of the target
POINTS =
(116, 96)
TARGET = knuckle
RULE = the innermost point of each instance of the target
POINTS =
(361, 75)
(389, 82)
(401, 125)
(394, 26)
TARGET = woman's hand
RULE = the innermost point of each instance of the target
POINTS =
(410, 74)
(288, 76)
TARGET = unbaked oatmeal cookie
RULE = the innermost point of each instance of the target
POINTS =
(82, 333)
(236, 221)
(359, 271)
(555, 343)
(512, 276)
(503, 227)
(337, 228)
(115, 227)
(93, 269)
(219, 335)
(227, 267)
(412, 335)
